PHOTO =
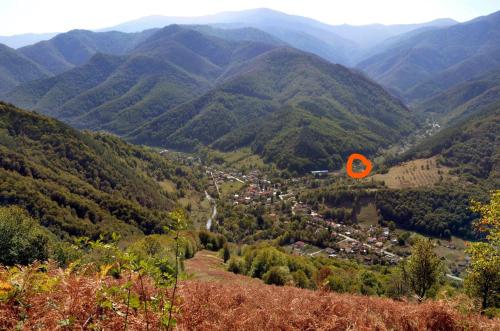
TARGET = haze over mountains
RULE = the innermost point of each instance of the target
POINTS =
(260, 79)
(433, 61)
(338, 43)
(344, 44)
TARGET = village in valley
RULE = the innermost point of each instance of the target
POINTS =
(368, 245)
(356, 236)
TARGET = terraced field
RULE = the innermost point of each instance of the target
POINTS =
(416, 173)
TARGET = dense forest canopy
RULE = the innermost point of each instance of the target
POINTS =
(81, 183)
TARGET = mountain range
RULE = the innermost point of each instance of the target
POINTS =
(182, 87)
(344, 44)
(293, 108)
(16, 69)
(260, 79)
(425, 64)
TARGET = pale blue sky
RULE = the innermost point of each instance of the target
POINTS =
(23, 16)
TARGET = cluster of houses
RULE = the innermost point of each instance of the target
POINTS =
(256, 192)
(353, 244)
(258, 188)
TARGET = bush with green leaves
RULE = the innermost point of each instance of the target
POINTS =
(236, 265)
(369, 284)
(22, 239)
(277, 275)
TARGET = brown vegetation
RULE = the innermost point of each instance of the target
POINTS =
(222, 306)
(42, 297)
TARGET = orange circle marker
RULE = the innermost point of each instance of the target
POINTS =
(364, 160)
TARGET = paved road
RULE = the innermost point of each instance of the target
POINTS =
(239, 180)
(454, 277)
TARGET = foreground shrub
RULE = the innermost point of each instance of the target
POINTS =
(43, 297)
(236, 265)
(278, 275)
(22, 240)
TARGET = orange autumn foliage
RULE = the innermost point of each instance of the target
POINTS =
(57, 300)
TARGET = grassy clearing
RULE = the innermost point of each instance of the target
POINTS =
(208, 266)
(368, 215)
(230, 188)
(168, 186)
(453, 256)
(416, 173)
(243, 158)
(200, 209)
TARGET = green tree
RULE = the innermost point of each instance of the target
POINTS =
(277, 275)
(369, 284)
(236, 265)
(422, 269)
(22, 240)
(300, 279)
(483, 277)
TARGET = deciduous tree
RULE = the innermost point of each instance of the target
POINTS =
(483, 277)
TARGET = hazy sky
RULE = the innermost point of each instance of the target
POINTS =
(23, 16)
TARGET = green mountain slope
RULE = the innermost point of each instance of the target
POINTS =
(436, 60)
(81, 183)
(119, 93)
(76, 47)
(292, 107)
(471, 145)
(464, 99)
(16, 69)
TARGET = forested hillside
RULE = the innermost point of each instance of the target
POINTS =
(16, 69)
(293, 108)
(68, 50)
(462, 100)
(81, 183)
(471, 146)
(433, 61)
(119, 93)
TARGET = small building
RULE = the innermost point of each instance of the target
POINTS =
(319, 172)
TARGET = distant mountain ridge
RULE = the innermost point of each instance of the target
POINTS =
(25, 39)
(76, 47)
(432, 61)
(117, 93)
(337, 43)
(16, 69)
(345, 44)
